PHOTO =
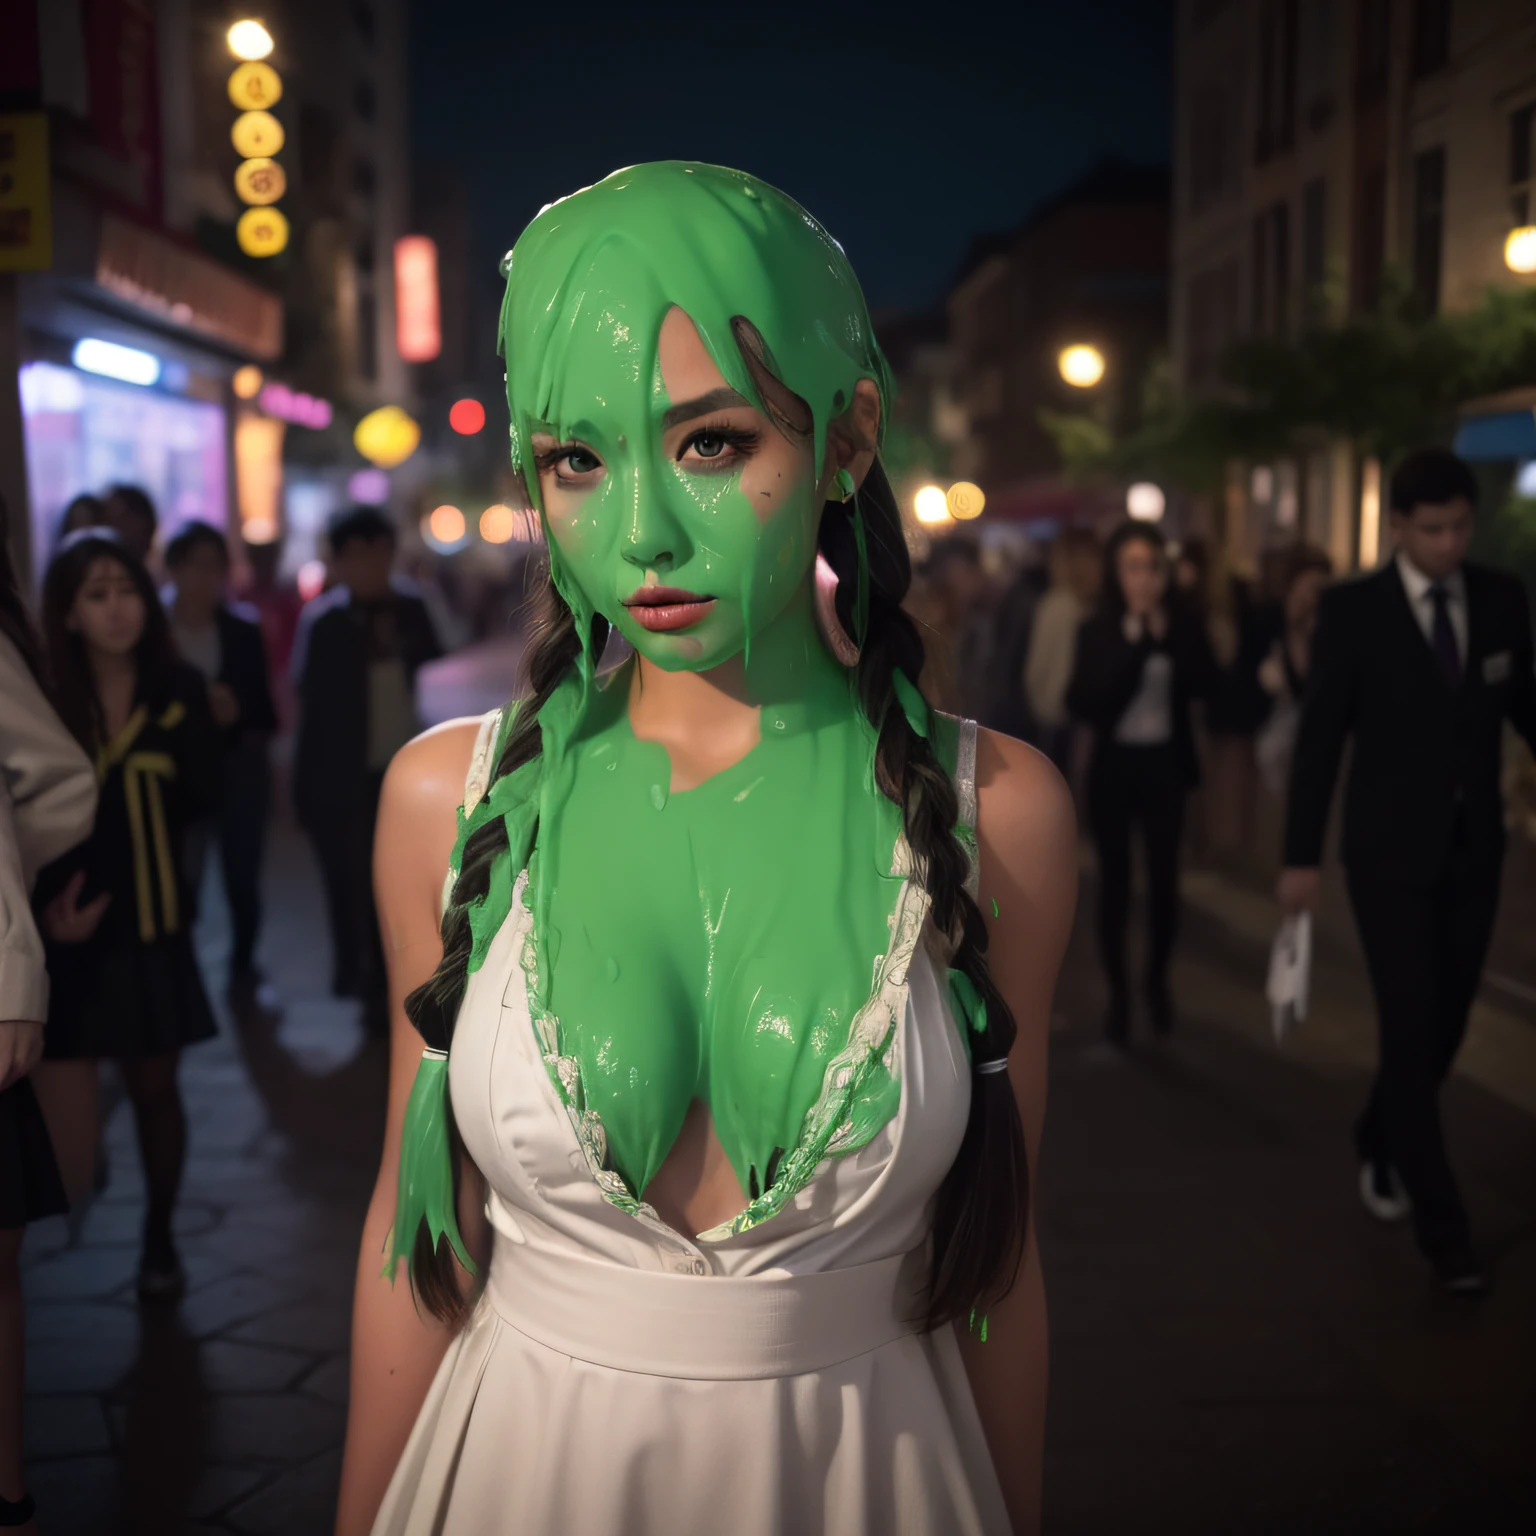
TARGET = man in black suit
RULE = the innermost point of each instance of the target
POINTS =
(222, 639)
(355, 660)
(1421, 662)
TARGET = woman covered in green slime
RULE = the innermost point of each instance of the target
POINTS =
(717, 1077)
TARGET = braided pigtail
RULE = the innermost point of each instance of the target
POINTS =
(982, 1209)
(426, 1228)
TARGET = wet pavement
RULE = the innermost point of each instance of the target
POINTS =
(1235, 1346)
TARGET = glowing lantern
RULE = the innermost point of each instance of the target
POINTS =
(965, 500)
(255, 85)
(418, 328)
(387, 436)
(443, 525)
(1145, 502)
(256, 135)
(247, 382)
(931, 506)
(262, 232)
(249, 40)
(1520, 249)
(260, 181)
(466, 417)
(1081, 366)
(498, 524)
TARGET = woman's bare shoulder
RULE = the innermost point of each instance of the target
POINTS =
(1026, 821)
(434, 765)
(418, 809)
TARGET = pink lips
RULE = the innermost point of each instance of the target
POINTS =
(666, 608)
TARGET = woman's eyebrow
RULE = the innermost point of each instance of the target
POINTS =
(716, 400)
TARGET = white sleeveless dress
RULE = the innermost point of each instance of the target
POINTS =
(617, 1378)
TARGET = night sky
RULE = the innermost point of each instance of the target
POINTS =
(908, 134)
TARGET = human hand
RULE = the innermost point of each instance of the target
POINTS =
(223, 704)
(65, 921)
(1297, 889)
(21, 1044)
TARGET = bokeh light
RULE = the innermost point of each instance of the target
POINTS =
(1145, 502)
(965, 500)
(258, 530)
(1081, 366)
(1520, 249)
(310, 579)
(369, 486)
(386, 437)
(247, 382)
(444, 525)
(931, 506)
(466, 417)
(498, 524)
(249, 40)
(262, 232)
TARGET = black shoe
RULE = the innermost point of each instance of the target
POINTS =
(1382, 1193)
(161, 1277)
(1117, 1022)
(1160, 1008)
(1459, 1271)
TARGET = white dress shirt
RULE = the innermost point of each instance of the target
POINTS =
(1417, 585)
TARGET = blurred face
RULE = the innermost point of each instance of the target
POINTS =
(1143, 575)
(135, 530)
(108, 613)
(200, 578)
(1302, 599)
(689, 529)
(1435, 536)
(364, 566)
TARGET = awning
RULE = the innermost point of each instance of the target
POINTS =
(1498, 427)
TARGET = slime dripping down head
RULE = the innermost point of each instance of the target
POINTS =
(679, 338)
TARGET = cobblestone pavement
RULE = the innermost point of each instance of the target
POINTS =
(1235, 1347)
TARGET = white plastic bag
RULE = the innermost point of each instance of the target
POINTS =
(1290, 974)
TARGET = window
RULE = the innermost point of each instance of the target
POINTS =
(317, 147)
(1315, 53)
(362, 19)
(1210, 147)
(367, 335)
(364, 179)
(1431, 36)
(1271, 271)
(1373, 49)
(1205, 10)
(1520, 158)
(1314, 249)
(1276, 131)
(1428, 226)
(364, 100)
(1211, 322)
(1370, 238)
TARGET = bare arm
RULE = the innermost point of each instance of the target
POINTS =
(396, 1350)
(1028, 838)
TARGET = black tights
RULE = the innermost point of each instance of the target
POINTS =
(162, 1126)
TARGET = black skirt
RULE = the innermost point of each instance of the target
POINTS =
(124, 999)
(29, 1178)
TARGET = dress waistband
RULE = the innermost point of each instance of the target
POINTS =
(702, 1327)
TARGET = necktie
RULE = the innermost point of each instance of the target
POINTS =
(1442, 636)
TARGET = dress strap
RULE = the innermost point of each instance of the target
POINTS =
(965, 774)
(481, 763)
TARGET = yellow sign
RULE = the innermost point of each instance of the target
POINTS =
(256, 135)
(26, 208)
(255, 85)
(386, 437)
(965, 500)
(260, 182)
(262, 232)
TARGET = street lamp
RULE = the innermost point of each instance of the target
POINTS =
(249, 40)
(1081, 366)
(1145, 502)
(1520, 249)
(931, 506)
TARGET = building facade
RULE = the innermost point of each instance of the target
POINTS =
(1323, 149)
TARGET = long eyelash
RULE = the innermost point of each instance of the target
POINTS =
(743, 439)
(552, 456)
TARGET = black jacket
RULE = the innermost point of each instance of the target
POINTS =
(1107, 673)
(243, 667)
(330, 673)
(1426, 755)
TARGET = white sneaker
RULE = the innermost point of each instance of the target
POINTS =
(1382, 1193)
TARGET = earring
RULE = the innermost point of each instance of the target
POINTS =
(838, 640)
(843, 480)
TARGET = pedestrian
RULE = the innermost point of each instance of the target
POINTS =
(1141, 661)
(47, 802)
(130, 512)
(953, 605)
(1283, 674)
(83, 511)
(1418, 664)
(126, 987)
(755, 1182)
(355, 660)
(1076, 570)
(1008, 706)
(223, 641)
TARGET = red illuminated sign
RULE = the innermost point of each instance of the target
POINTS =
(418, 327)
